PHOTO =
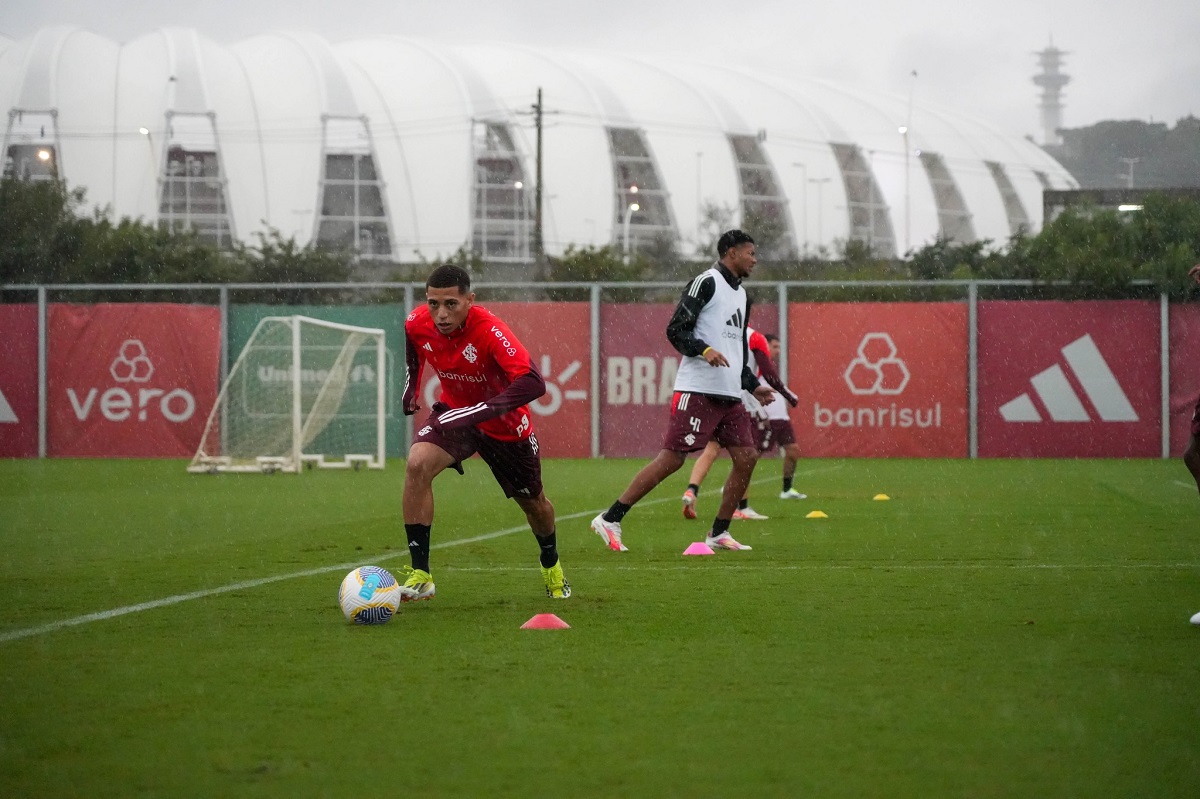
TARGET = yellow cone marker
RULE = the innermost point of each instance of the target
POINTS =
(817, 514)
(881, 496)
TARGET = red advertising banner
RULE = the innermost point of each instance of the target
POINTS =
(558, 336)
(1069, 379)
(1184, 340)
(637, 378)
(879, 379)
(18, 381)
(130, 380)
(637, 374)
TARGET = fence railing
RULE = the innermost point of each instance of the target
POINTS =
(790, 308)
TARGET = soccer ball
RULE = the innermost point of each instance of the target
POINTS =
(369, 595)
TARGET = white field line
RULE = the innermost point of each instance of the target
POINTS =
(28, 632)
(975, 565)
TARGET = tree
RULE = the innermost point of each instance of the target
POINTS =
(38, 230)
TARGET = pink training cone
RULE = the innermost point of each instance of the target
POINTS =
(545, 621)
(699, 548)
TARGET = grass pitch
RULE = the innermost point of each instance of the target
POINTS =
(996, 629)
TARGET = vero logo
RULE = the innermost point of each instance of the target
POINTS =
(1058, 397)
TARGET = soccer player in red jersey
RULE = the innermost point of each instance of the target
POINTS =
(488, 380)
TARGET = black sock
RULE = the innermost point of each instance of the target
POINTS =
(743, 503)
(418, 545)
(787, 484)
(719, 526)
(549, 546)
(617, 512)
(694, 488)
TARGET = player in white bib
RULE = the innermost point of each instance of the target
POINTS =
(708, 329)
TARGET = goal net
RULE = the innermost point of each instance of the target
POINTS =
(303, 393)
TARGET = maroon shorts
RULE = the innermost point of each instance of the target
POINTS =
(516, 465)
(696, 418)
(1196, 420)
(774, 433)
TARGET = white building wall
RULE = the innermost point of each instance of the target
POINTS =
(421, 99)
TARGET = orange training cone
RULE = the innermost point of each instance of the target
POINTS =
(545, 621)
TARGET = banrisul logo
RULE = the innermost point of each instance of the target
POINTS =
(1059, 398)
(133, 396)
(877, 371)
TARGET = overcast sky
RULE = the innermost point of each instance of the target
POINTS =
(1126, 60)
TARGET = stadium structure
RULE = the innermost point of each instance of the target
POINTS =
(403, 148)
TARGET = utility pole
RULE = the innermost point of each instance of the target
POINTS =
(539, 255)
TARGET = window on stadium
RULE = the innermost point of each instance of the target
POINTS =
(764, 205)
(954, 220)
(352, 201)
(501, 214)
(1018, 220)
(193, 187)
(31, 145)
(637, 182)
(870, 219)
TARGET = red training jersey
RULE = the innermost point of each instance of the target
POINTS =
(760, 348)
(474, 364)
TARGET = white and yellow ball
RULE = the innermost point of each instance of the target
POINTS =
(369, 595)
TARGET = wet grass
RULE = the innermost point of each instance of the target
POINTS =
(997, 628)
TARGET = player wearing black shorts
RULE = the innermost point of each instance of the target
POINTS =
(487, 382)
(708, 329)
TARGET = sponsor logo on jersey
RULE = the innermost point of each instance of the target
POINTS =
(1059, 398)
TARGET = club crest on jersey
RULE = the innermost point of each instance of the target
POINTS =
(470, 353)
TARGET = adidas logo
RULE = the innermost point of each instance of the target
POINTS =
(428, 347)
(737, 320)
(1059, 398)
(7, 415)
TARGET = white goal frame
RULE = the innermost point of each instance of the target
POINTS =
(297, 460)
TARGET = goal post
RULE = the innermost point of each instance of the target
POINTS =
(303, 393)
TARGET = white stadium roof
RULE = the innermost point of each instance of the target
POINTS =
(404, 147)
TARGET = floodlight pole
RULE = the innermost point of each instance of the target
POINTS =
(539, 254)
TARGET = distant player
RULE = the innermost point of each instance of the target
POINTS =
(772, 428)
(783, 435)
(487, 380)
(708, 328)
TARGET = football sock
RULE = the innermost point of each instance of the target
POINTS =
(617, 512)
(418, 545)
(694, 488)
(719, 526)
(549, 546)
(787, 484)
(743, 503)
